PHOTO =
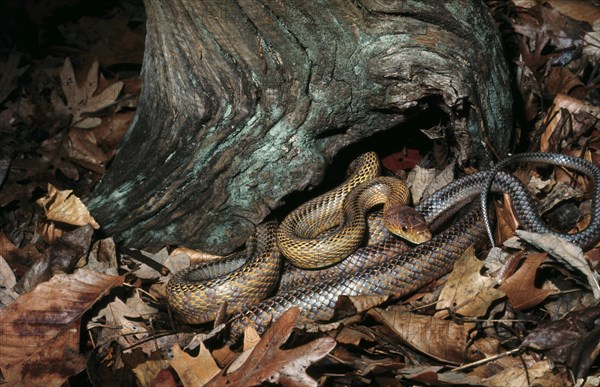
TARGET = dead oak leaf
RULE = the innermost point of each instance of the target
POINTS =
(268, 363)
(41, 330)
(63, 206)
(443, 340)
(81, 100)
(467, 292)
(123, 322)
(520, 287)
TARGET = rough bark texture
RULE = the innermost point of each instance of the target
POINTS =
(246, 101)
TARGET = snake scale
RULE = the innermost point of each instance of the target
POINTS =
(387, 267)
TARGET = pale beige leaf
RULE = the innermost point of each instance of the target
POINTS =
(251, 338)
(63, 206)
(467, 292)
(194, 371)
(41, 329)
(81, 99)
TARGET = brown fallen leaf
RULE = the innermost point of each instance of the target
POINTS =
(82, 148)
(63, 206)
(582, 10)
(443, 340)
(268, 363)
(41, 330)
(347, 306)
(562, 80)
(18, 258)
(353, 336)
(467, 292)
(194, 371)
(520, 287)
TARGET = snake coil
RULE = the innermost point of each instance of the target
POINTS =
(386, 267)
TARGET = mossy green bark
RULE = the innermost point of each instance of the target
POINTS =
(244, 102)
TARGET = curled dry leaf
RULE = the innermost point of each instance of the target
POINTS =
(520, 287)
(562, 80)
(41, 330)
(564, 252)
(251, 339)
(467, 292)
(63, 206)
(443, 340)
(268, 363)
(195, 256)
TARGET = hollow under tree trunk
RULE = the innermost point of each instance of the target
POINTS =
(246, 101)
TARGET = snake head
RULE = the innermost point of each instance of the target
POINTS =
(406, 223)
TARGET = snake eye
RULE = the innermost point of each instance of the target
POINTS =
(404, 228)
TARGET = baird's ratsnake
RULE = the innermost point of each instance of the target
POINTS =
(386, 267)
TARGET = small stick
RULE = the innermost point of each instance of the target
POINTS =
(163, 270)
(486, 360)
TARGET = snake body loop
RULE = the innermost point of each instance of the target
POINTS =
(197, 293)
(329, 228)
(585, 238)
(385, 267)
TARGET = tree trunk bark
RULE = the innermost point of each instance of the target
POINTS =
(246, 101)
